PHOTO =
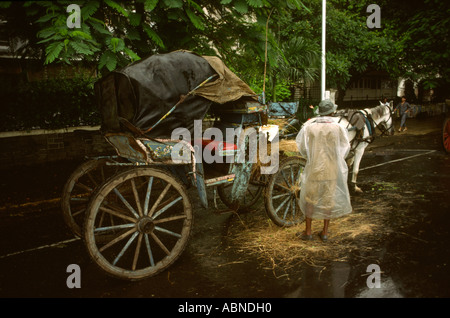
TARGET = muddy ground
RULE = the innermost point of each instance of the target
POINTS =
(401, 223)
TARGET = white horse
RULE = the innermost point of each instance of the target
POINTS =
(378, 117)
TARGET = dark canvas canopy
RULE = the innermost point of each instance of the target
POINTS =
(143, 92)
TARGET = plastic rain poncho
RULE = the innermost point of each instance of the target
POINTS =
(325, 145)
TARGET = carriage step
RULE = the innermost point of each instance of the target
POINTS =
(216, 181)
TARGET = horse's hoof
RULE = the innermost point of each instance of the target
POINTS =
(358, 189)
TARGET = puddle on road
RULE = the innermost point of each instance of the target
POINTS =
(333, 282)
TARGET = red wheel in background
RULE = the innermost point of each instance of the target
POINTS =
(445, 135)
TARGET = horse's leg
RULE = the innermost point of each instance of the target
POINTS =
(359, 151)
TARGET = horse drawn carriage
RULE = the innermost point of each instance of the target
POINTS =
(132, 209)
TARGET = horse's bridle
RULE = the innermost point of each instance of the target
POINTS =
(384, 130)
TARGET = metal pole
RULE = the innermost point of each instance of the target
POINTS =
(324, 14)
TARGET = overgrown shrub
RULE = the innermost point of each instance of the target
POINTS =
(48, 104)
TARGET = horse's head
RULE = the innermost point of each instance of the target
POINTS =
(383, 117)
(389, 120)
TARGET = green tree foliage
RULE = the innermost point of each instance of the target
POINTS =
(423, 32)
(114, 33)
(416, 32)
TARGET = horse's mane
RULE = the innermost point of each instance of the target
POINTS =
(378, 111)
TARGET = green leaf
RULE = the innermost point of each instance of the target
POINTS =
(46, 18)
(135, 18)
(117, 7)
(298, 4)
(80, 34)
(255, 3)
(109, 60)
(116, 44)
(133, 34)
(88, 9)
(149, 5)
(45, 33)
(196, 20)
(131, 54)
(98, 27)
(241, 6)
(173, 4)
(81, 48)
(153, 36)
(225, 1)
(55, 37)
(193, 4)
(52, 51)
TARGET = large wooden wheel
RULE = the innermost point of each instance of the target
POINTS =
(79, 188)
(138, 223)
(282, 193)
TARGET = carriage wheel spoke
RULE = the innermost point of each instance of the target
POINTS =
(283, 187)
(287, 209)
(294, 203)
(92, 179)
(117, 239)
(292, 175)
(299, 175)
(281, 195)
(157, 240)
(118, 214)
(282, 204)
(78, 199)
(137, 251)
(102, 173)
(161, 196)
(114, 227)
(136, 196)
(74, 214)
(100, 222)
(169, 219)
(284, 178)
(164, 209)
(124, 249)
(147, 195)
(160, 229)
(83, 186)
(126, 203)
(149, 250)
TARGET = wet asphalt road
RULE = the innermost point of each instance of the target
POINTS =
(36, 248)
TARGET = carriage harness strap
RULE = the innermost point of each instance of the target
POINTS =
(368, 122)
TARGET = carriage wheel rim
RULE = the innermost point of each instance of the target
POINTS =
(73, 205)
(446, 132)
(142, 234)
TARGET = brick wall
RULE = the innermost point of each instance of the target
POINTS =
(37, 147)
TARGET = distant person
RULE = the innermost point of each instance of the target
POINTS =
(404, 107)
(325, 145)
(385, 102)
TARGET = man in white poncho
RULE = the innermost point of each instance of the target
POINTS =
(324, 194)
